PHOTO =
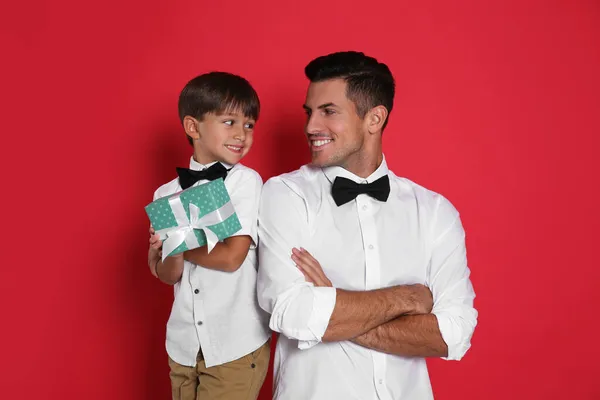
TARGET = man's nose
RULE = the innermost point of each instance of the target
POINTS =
(314, 125)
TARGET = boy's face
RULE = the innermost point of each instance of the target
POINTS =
(335, 131)
(226, 137)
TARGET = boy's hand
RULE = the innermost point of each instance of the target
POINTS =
(155, 241)
(154, 252)
(171, 269)
(310, 267)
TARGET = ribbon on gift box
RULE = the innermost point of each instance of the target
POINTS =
(184, 231)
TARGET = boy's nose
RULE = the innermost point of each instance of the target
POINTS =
(240, 135)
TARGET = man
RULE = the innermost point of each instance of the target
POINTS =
(364, 273)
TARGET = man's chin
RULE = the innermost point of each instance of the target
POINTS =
(322, 162)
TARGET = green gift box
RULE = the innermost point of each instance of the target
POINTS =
(200, 215)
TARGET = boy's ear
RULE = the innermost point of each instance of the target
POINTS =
(190, 125)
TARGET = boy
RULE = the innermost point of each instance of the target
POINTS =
(217, 335)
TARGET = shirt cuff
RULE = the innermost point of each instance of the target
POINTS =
(323, 305)
(248, 232)
(453, 336)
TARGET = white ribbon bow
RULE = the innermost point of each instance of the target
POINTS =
(184, 231)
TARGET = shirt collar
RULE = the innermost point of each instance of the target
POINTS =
(196, 166)
(332, 172)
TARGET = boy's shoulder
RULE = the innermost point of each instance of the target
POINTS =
(240, 172)
(167, 189)
(243, 181)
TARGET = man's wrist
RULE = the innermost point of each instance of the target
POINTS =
(408, 299)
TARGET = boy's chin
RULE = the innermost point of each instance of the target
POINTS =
(232, 158)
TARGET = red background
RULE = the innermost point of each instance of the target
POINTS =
(497, 109)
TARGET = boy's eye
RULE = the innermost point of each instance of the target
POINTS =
(229, 122)
(249, 125)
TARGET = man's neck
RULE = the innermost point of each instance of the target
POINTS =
(363, 166)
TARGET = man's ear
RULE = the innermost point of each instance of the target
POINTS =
(376, 117)
(191, 125)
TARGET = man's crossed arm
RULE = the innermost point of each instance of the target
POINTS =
(399, 320)
(393, 320)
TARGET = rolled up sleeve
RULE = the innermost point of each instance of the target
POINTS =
(244, 187)
(298, 309)
(449, 282)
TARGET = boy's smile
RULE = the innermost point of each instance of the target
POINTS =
(225, 137)
(237, 149)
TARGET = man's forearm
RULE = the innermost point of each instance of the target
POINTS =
(356, 313)
(407, 335)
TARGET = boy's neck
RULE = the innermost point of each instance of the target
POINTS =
(206, 158)
(205, 162)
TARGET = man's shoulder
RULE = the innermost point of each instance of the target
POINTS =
(299, 181)
(426, 198)
(405, 184)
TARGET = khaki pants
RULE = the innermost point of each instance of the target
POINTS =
(236, 380)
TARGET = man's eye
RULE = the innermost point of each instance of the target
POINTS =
(307, 112)
(229, 122)
(329, 111)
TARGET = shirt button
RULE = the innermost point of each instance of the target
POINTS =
(371, 247)
(196, 291)
(381, 381)
(364, 208)
(199, 322)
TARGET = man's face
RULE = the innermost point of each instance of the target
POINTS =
(334, 130)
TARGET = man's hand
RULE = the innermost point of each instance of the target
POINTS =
(154, 251)
(310, 267)
(417, 296)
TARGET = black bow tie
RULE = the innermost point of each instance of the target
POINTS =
(345, 190)
(187, 177)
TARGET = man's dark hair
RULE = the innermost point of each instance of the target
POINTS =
(218, 93)
(369, 82)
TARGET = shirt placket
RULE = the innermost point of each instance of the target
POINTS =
(199, 314)
(366, 210)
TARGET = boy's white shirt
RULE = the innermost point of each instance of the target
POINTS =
(224, 317)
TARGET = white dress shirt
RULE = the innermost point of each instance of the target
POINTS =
(215, 310)
(414, 237)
